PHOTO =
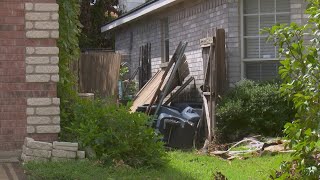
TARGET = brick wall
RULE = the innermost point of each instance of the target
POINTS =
(191, 21)
(28, 71)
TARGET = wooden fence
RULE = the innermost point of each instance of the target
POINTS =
(145, 64)
(98, 72)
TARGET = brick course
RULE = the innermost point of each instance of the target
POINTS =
(17, 27)
(12, 108)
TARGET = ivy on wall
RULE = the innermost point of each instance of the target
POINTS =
(68, 43)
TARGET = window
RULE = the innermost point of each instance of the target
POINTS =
(261, 70)
(258, 56)
(165, 40)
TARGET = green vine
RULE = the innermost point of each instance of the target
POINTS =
(68, 44)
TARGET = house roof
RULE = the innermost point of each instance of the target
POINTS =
(137, 12)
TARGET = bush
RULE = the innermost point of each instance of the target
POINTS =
(299, 51)
(252, 108)
(116, 135)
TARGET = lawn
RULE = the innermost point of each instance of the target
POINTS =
(182, 165)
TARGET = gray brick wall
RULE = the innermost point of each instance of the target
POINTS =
(190, 21)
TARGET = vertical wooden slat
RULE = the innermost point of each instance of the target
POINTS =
(141, 68)
(144, 64)
(99, 73)
(149, 62)
(218, 76)
(212, 87)
(215, 80)
(221, 63)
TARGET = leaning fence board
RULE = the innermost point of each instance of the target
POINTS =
(99, 73)
(144, 96)
(181, 58)
(183, 86)
(144, 64)
(213, 86)
(221, 63)
(183, 72)
(164, 76)
(215, 80)
(206, 111)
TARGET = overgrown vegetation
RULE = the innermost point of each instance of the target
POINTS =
(129, 87)
(186, 166)
(252, 108)
(112, 133)
(300, 71)
(116, 135)
(92, 17)
(69, 51)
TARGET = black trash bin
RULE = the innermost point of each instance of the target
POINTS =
(178, 131)
(178, 136)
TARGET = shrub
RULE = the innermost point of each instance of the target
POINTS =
(299, 48)
(116, 135)
(252, 108)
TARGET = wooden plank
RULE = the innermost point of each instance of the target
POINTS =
(91, 60)
(170, 64)
(149, 62)
(180, 59)
(222, 81)
(147, 92)
(207, 70)
(184, 85)
(144, 64)
(215, 80)
(141, 66)
(177, 81)
(144, 87)
(212, 88)
(206, 110)
(183, 72)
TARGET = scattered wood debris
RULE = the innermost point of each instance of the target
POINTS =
(163, 82)
(145, 95)
(249, 147)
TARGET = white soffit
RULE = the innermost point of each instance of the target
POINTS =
(136, 14)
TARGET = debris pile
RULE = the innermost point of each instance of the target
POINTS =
(184, 124)
(251, 146)
(177, 124)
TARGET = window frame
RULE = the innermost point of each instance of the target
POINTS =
(243, 37)
(165, 40)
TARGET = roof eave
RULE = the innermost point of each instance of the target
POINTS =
(136, 13)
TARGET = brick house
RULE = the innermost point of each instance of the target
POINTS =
(164, 23)
(28, 72)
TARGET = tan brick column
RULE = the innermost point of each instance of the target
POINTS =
(42, 30)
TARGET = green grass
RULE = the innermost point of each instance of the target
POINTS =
(182, 165)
